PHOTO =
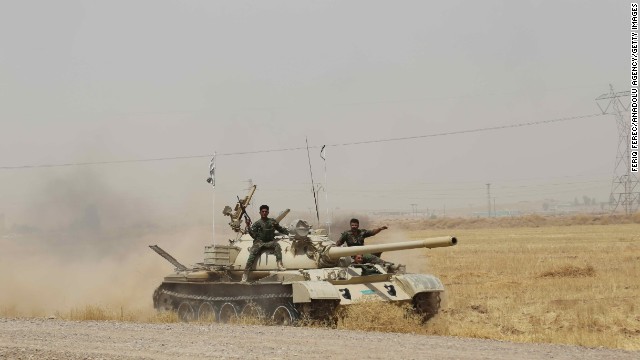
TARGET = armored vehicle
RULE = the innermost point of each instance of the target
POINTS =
(319, 280)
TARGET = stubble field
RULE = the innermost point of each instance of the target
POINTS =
(574, 284)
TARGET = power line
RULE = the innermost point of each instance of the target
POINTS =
(502, 190)
(502, 127)
(470, 131)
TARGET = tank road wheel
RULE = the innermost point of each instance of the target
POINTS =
(185, 312)
(228, 313)
(206, 312)
(165, 303)
(284, 315)
(427, 304)
(254, 310)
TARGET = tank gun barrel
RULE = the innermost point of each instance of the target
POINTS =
(334, 253)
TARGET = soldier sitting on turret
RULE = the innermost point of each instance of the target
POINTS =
(356, 236)
(263, 234)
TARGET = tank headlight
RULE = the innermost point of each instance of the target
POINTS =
(302, 232)
(342, 274)
(299, 229)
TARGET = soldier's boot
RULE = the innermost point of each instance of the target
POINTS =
(280, 266)
(245, 276)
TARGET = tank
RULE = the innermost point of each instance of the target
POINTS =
(320, 278)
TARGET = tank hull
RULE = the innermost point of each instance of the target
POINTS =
(295, 294)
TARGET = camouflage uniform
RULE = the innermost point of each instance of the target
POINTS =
(263, 233)
(354, 240)
(358, 240)
(371, 259)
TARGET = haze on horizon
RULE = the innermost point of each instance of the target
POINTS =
(111, 81)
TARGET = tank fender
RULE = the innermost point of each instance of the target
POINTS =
(305, 291)
(417, 283)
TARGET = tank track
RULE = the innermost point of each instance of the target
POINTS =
(197, 303)
(224, 298)
(426, 304)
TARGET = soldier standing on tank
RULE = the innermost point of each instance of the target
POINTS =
(356, 236)
(263, 234)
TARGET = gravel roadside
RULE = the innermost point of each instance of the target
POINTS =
(58, 339)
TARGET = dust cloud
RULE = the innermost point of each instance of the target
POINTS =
(80, 242)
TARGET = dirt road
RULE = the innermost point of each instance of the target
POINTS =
(57, 339)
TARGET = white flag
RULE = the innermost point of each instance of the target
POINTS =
(212, 171)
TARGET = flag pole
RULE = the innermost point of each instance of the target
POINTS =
(326, 193)
(212, 180)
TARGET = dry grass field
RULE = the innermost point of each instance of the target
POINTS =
(575, 284)
(532, 281)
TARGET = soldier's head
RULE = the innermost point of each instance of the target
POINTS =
(358, 259)
(264, 211)
(355, 224)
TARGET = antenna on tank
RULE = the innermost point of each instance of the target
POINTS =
(212, 180)
(313, 186)
(326, 195)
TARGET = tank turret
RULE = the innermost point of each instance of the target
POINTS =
(320, 277)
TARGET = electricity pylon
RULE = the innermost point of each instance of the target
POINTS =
(624, 187)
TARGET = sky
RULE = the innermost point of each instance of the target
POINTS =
(111, 82)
